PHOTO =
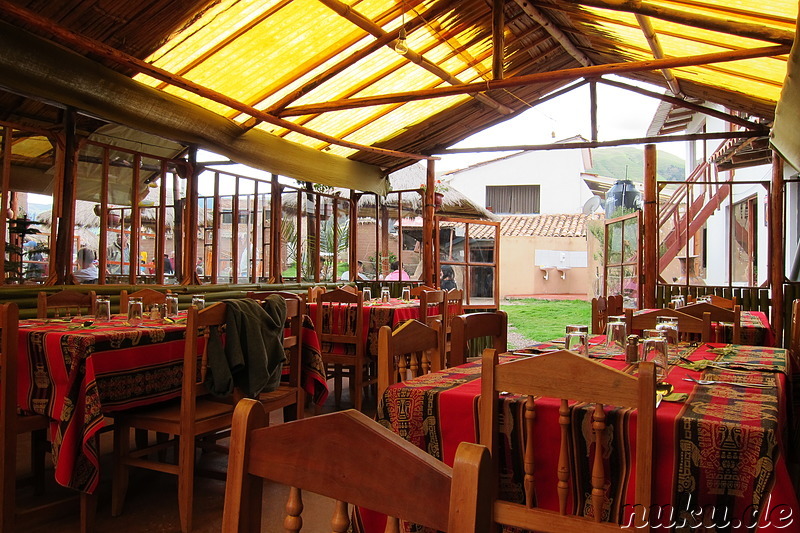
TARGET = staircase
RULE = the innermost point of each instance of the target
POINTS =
(707, 198)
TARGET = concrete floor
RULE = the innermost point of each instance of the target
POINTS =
(152, 503)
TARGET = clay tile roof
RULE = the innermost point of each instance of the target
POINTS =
(570, 225)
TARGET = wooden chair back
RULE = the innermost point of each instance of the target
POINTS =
(65, 303)
(567, 377)
(794, 338)
(293, 346)
(689, 327)
(432, 307)
(313, 293)
(719, 301)
(718, 314)
(454, 306)
(602, 308)
(412, 485)
(417, 290)
(148, 296)
(476, 325)
(339, 322)
(349, 288)
(411, 350)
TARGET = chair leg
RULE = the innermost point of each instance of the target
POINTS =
(186, 455)
(119, 484)
(357, 386)
(39, 446)
(88, 512)
(337, 385)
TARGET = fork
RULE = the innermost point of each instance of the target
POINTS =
(717, 382)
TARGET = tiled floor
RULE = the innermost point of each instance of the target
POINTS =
(152, 504)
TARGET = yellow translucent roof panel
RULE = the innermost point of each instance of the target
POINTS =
(33, 147)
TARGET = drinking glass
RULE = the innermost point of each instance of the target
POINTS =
(406, 293)
(577, 328)
(678, 301)
(102, 311)
(668, 326)
(616, 336)
(655, 349)
(172, 305)
(367, 292)
(577, 341)
(134, 310)
(199, 301)
(385, 294)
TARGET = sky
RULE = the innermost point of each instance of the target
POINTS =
(621, 114)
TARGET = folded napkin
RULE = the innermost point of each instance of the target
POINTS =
(677, 397)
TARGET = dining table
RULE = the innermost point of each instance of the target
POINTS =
(720, 454)
(755, 329)
(376, 315)
(79, 372)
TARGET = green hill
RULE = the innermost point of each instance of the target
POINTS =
(621, 161)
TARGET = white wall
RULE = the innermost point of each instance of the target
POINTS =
(558, 172)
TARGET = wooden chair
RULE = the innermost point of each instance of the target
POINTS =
(719, 301)
(195, 414)
(411, 350)
(340, 327)
(411, 485)
(313, 293)
(476, 325)
(689, 327)
(602, 308)
(568, 377)
(417, 290)
(794, 338)
(12, 425)
(349, 288)
(289, 393)
(718, 314)
(432, 307)
(68, 303)
(148, 296)
(453, 306)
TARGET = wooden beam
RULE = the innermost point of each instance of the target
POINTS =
(367, 25)
(727, 117)
(67, 37)
(776, 249)
(599, 144)
(498, 39)
(724, 25)
(650, 272)
(541, 77)
(593, 108)
(556, 32)
(658, 52)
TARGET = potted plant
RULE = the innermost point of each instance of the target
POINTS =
(438, 192)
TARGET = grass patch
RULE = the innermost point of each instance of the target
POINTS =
(543, 320)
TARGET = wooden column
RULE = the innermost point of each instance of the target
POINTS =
(66, 220)
(428, 226)
(353, 259)
(498, 39)
(276, 207)
(384, 238)
(649, 272)
(6, 180)
(190, 223)
(136, 222)
(593, 108)
(776, 250)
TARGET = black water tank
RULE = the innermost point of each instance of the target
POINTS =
(622, 194)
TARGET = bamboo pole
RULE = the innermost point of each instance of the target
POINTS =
(370, 27)
(724, 25)
(776, 246)
(66, 37)
(556, 32)
(650, 252)
(593, 108)
(727, 117)
(498, 39)
(597, 144)
(658, 52)
(541, 77)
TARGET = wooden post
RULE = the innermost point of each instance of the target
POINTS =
(276, 216)
(177, 227)
(136, 222)
(161, 231)
(6, 180)
(66, 220)
(190, 224)
(776, 250)
(498, 39)
(428, 225)
(384, 245)
(650, 230)
(353, 259)
(216, 225)
(593, 108)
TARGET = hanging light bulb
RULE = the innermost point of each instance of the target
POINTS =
(400, 45)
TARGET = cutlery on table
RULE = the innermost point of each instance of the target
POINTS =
(719, 382)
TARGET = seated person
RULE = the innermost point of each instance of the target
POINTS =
(359, 273)
(87, 270)
(448, 282)
(396, 274)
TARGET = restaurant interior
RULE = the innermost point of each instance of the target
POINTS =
(263, 175)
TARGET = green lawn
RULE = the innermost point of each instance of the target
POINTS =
(542, 320)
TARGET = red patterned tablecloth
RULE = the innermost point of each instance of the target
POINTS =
(74, 374)
(719, 447)
(756, 329)
(376, 315)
